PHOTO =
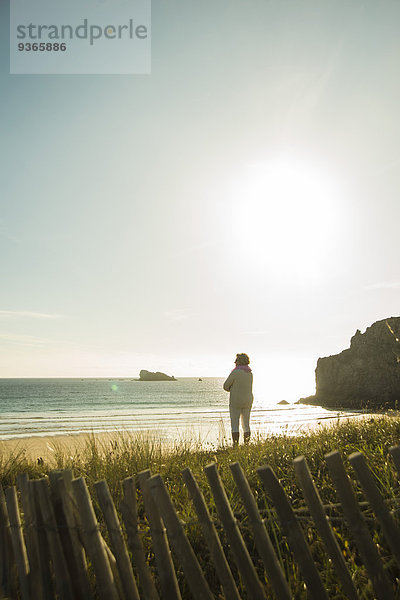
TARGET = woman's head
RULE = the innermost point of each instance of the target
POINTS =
(242, 359)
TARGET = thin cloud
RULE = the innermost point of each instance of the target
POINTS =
(21, 340)
(28, 314)
(384, 285)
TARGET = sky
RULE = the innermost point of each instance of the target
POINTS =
(243, 197)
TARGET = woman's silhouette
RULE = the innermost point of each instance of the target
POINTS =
(240, 386)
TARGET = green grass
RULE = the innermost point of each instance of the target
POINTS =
(128, 454)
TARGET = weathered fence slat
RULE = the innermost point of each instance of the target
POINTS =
(358, 527)
(30, 537)
(47, 586)
(77, 559)
(114, 569)
(94, 546)
(239, 550)
(62, 578)
(294, 533)
(118, 545)
(210, 534)
(261, 537)
(8, 583)
(73, 557)
(165, 567)
(325, 530)
(18, 542)
(128, 508)
(390, 529)
(177, 536)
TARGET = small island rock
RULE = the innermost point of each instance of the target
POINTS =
(366, 375)
(283, 402)
(157, 376)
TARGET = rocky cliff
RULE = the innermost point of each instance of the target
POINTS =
(149, 376)
(366, 375)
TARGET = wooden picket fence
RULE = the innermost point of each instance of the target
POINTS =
(51, 545)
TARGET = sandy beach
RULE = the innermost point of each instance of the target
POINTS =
(47, 447)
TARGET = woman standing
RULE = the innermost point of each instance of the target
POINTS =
(240, 386)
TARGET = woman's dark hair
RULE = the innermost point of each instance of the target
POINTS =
(242, 359)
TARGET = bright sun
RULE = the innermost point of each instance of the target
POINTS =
(285, 217)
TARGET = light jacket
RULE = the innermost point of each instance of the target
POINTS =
(240, 384)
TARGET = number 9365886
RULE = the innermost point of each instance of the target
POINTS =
(42, 47)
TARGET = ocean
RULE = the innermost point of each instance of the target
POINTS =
(188, 408)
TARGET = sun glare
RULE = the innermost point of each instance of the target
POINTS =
(285, 216)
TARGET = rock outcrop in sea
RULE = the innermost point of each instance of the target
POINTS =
(157, 376)
(366, 375)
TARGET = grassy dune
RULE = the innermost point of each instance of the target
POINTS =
(126, 455)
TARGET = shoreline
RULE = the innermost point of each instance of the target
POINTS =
(49, 446)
